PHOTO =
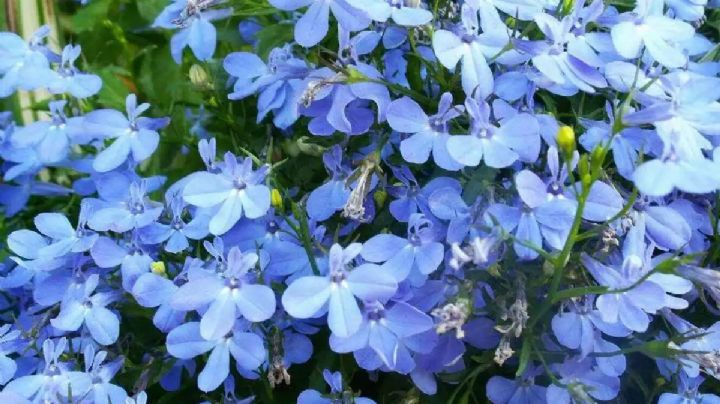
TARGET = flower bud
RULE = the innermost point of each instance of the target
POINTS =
(566, 139)
(567, 6)
(199, 77)
(158, 268)
(306, 147)
(276, 199)
(380, 196)
(355, 76)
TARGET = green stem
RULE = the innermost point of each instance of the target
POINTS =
(561, 261)
(303, 231)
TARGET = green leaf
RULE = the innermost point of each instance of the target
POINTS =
(414, 75)
(658, 349)
(575, 292)
(271, 37)
(150, 9)
(115, 86)
(164, 81)
(249, 10)
(89, 16)
(524, 356)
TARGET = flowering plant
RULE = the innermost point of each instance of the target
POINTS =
(326, 201)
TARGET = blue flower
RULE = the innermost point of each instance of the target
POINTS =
(53, 380)
(416, 256)
(230, 291)
(410, 197)
(51, 140)
(522, 9)
(501, 390)
(517, 137)
(24, 65)
(665, 227)
(237, 190)
(581, 379)
(133, 261)
(331, 196)
(313, 26)
(626, 145)
(279, 82)
(134, 213)
(8, 367)
(546, 215)
(335, 105)
(134, 135)
(427, 133)
(87, 307)
(102, 390)
(193, 17)
(336, 293)
(402, 12)
(176, 233)
(390, 334)
(689, 107)
(337, 392)
(634, 293)
(186, 342)
(565, 60)
(687, 392)
(466, 46)
(64, 238)
(27, 244)
(72, 81)
(582, 327)
(153, 290)
(647, 27)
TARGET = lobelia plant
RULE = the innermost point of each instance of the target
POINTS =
(512, 201)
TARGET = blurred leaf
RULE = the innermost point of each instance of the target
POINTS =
(89, 16)
(273, 36)
(164, 81)
(524, 355)
(150, 9)
(116, 86)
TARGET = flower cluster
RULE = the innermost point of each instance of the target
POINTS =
(459, 234)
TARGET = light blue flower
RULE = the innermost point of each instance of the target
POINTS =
(24, 65)
(88, 308)
(389, 333)
(313, 26)
(133, 135)
(427, 133)
(335, 293)
(186, 342)
(646, 27)
(636, 292)
(402, 12)
(230, 292)
(466, 46)
(238, 190)
(70, 80)
(416, 256)
(50, 140)
(515, 138)
(53, 379)
(193, 18)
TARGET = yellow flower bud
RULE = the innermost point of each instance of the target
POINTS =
(380, 197)
(276, 199)
(355, 76)
(199, 77)
(566, 139)
(158, 268)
